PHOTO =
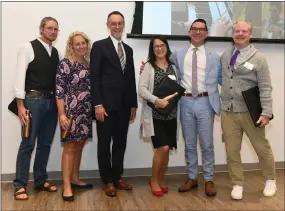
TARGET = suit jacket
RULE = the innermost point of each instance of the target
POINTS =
(111, 87)
(213, 75)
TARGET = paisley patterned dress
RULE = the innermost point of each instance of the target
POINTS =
(73, 85)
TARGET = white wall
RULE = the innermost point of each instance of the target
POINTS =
(20, 24)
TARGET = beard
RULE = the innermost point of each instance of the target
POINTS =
(51, 39)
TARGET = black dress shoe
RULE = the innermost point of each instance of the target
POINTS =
(81, 186)
(68, 198)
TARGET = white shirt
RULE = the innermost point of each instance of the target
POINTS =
(25, 56)
(186, 81)
(115, 42)
(242, 55)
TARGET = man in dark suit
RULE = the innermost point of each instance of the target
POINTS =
(115, 100)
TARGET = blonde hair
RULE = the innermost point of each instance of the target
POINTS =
(69, 52)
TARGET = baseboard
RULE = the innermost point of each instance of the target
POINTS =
(85, 174)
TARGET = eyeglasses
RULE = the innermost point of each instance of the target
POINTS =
(195, 29)
(114, 24)
(52, 29)
(159, 46)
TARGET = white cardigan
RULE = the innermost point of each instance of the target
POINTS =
(145, 89)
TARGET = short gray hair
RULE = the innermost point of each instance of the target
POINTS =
(46, 19)
(250, 25)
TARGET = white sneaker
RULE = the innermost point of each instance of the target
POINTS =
(270, 188)
(237, 192)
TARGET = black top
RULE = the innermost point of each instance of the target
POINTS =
(159, 74)
(42, 70)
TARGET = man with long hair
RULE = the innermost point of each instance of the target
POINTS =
(35, 93)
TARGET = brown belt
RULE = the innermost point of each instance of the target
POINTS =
(45, 94)
(199, 95)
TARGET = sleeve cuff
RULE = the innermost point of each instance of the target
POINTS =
(20, 95)
(267, 115)
(153, 99)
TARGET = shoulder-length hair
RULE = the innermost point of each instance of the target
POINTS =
(69, 52)
(151, 55)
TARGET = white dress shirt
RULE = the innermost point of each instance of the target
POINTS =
(115, 42)
(201, 69)
(25, 56)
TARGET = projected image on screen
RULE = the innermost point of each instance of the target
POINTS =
(175, 18)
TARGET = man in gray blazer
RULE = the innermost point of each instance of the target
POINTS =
(198, 74)
(243, 67)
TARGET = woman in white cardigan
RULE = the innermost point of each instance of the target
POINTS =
(161, 129)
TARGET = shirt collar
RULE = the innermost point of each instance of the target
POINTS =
(243, 50)
(114, 40)
(44, 44)
(200, 48)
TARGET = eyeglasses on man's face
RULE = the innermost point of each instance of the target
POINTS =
(196, 29)
(52, 29)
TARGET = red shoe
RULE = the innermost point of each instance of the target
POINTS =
(164, 189)
(155, 192)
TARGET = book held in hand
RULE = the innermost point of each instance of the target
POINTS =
(13, 107)
(252, 101)
(171, 91)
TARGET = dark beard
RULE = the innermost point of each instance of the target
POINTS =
(48, 39)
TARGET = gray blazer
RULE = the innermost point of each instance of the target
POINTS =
(253, 71)
(145, 90)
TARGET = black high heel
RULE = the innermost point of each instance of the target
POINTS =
(68, 198)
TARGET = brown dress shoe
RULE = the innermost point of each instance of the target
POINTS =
(120, 184)
(110, 190)
(188, 185)
(210, 189)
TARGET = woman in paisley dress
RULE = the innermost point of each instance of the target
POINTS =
(73, 94)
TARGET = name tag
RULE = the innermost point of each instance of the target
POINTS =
(172, 77)
(248, 65)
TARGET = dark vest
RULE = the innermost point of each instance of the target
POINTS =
(41, 71)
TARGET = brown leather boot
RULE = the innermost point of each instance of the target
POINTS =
(210, 188)
(110, 190)
(188, 185)
(120, 184)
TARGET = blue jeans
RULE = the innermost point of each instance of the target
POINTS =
(197, 118)
(44, 122)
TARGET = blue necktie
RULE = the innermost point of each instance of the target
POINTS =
(234, 58)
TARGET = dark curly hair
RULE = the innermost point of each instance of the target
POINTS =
(151, 55)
